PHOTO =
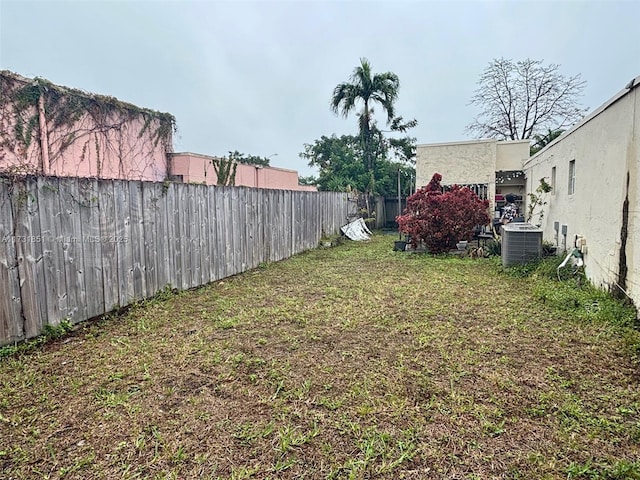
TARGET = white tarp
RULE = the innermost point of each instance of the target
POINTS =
(356, 230)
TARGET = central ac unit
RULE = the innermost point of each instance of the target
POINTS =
(521, 243)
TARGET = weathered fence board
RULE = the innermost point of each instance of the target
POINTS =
(52, 248)
(173, 278)
(240, 225)
(10, 305)
(91, 248)
(150, 213)
(235, 241)
(268, 220)
(164, 256)
(73, 249)
(74, 262)
(203, 237)
(107, 234)
(211, 233)
(122, 239)
(193, 235)
(228, 243)
(219, 259)
(258, 230)
(138, 274)
(28, 249)
(179, 220)
(185, 214)
(247, 257)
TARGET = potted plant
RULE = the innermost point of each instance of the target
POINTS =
(399, 246)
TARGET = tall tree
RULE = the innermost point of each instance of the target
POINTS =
(339, 161)
(341, 166)
(369, 89)
(519, 100)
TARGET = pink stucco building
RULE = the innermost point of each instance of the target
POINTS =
(46, 129)
(196, 168)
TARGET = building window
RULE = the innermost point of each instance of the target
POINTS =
(572, 177)
(553, 180)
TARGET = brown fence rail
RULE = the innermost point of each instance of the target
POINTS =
(75, 248)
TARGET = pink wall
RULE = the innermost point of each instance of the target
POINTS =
(196, 168)
(118, 153)
(122, 145)
(112, 140)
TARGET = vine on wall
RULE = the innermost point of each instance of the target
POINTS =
(99, 126)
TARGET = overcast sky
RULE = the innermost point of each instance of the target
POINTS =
(258, 76)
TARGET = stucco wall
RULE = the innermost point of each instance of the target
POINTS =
(112, 140)
(118, 154)
(196, 168)
(633, 164)
(473, 161)
(511, 155)
(459, 162)
(604, 147)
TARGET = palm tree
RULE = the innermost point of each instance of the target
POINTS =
(541, 141)
(381, 88)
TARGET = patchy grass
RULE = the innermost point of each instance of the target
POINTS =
(349, 362)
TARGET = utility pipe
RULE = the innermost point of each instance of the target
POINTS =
(574, 253)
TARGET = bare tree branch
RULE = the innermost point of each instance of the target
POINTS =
(519, 100)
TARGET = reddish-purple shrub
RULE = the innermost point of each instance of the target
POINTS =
(440, 220)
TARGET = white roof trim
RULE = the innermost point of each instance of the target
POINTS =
(464, 142)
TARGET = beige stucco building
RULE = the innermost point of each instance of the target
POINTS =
(489, 167)
(593, 171)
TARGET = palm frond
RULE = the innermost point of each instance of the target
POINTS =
(382, 88)
(344, 98)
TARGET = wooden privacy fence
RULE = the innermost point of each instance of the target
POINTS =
(75, 248)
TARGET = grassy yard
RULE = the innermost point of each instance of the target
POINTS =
(349, 362)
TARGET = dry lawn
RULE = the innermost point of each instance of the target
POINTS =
(349, 362)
